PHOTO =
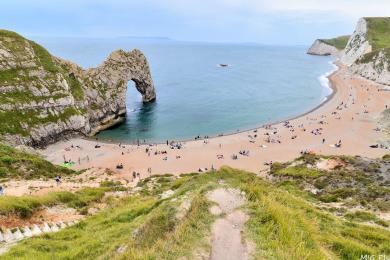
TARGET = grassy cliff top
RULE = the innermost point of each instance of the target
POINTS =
(338, 42)
(378, 32)
(378, 35)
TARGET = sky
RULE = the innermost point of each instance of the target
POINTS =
(284, 22)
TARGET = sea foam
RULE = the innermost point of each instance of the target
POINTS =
(324, 80)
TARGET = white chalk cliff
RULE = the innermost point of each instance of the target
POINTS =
(358, 44)
(319, 47)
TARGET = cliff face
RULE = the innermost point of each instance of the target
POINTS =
(332, 46)
(368, 50)
(44, 98)
(358, 44)
(374, 66)
(321, 48)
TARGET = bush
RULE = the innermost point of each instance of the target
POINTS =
(3, 172)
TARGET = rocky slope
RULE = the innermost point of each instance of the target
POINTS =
(368, 50)
(44, 98)
(358, 44)
(326, 47)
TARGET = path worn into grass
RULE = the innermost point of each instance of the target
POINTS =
(227, 241)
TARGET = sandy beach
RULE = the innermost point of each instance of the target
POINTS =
(350, 115)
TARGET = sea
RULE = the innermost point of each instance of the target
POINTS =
(196, 96)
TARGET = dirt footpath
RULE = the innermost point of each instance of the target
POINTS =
(227, 240)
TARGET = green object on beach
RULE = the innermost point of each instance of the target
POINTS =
(68, 164)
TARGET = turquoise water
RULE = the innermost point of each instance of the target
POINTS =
(196, 97)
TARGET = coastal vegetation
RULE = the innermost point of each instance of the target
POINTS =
(378, 32)
(352, 181)
(18, 164)
(25, 206)
(338, 42)
(378, 36)
(285, 222)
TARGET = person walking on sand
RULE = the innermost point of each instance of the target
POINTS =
(1, 191)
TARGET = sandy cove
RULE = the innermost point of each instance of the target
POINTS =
(351, 115)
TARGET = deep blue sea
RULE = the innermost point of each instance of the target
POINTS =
(262, 84)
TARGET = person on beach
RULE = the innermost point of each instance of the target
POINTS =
(1, 191)
(58, 180)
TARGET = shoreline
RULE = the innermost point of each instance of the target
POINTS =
(326, 100)
(342, 117)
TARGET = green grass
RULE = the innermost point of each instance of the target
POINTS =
(299, 171)
(10, 75)
(338, 42)
(17, 164)
(386, 157)
(364, 216)
(44, 58)
(356, 182)
(282, 224)
(22, 121)
(378, 35)
(378, 32)
(75, 87)
(25, 206)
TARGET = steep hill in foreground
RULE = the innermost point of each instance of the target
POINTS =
(326, 47)
(44, 98)
(307, 211)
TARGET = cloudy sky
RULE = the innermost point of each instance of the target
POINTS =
(262, 21)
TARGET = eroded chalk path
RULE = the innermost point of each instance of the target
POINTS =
(227, 241)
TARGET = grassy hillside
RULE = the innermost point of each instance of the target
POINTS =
(285, 223)
(29, 77)
(378, 32)
(378, 35)
(354, 181)
(17, 164)
(25, 206)
(338, 42)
